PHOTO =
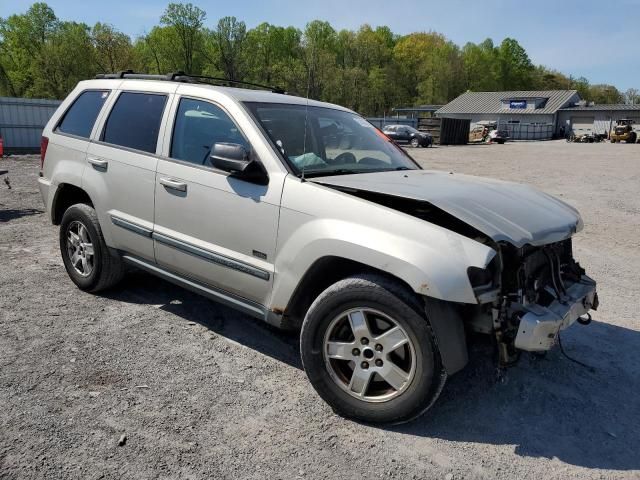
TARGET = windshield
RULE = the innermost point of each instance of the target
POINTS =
(321, 141)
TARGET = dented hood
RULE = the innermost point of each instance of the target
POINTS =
(504, 211)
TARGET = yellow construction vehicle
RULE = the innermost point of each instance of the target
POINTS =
(623, 132)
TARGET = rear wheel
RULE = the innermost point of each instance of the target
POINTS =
(632, 137)
(368, 351)
(89, 262)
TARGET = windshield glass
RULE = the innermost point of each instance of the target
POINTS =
(332, 142)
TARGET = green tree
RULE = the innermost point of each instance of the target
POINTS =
(514, 68)
(369, 70)
(545, 79)
(479, 66)
(632, 96)
(318, 57)
(156, 53)
(22, 40)
(274, 53)
(186, 20)
(604, 93)
(429, 68)
(113, 49)
(65, 60)
(229, 40)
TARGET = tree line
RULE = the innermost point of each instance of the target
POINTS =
(369, 70)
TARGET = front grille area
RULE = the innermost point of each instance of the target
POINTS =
(538, 274)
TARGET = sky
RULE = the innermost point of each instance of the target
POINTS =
(599, 40)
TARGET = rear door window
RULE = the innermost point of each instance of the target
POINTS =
(82, 114)
(134, 121)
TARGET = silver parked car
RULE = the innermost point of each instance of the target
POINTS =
(302, 214)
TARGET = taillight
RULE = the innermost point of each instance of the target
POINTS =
(44, 143)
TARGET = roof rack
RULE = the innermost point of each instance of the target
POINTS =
(187, 78)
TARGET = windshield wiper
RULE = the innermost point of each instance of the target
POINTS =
(328, 173)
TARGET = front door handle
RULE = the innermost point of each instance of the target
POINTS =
(97, 162)
(173, 184)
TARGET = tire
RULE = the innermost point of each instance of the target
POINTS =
(632, 138)
(415, 143)
(80, 230)
(381, 300)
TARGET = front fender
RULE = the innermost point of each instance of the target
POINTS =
(433, 261)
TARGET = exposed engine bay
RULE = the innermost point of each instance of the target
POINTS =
(525, 296)
(538, 292)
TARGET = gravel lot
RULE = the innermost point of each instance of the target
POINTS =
(203, 392)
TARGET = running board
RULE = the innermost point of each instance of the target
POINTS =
(245, 306)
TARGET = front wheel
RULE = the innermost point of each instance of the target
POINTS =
(368, 351)
(415, 143)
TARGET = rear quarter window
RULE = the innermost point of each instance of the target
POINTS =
(81, 116)
(134, 121)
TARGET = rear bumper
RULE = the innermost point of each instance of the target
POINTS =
(44, 185)
(539, 326)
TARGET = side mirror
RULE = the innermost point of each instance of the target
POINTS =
(230, 157)
(236, 159)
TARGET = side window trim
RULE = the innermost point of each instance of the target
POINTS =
(56, 130)
(100, 127)
(169, 131)
(104, 114)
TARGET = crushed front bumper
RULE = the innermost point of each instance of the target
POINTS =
(539, 326)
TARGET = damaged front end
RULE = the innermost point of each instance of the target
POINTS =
(533, 287)
(533, 293)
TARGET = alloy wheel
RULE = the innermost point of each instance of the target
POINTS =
(369, 355)
(80, 248)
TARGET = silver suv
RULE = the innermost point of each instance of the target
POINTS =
(302, 214)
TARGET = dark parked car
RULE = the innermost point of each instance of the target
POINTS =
(406, 134)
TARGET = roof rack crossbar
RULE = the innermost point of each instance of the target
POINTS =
(272, 88)
(186, 78)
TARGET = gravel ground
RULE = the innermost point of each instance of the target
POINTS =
(200, 391)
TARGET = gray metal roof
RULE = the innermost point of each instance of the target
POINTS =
(421, 108)
(491, 102)
(604, 108)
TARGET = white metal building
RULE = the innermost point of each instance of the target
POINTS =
(527, 115)
(597, 118)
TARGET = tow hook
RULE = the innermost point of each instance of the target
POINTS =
(584, 319)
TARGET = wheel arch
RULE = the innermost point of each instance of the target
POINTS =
(66, 195)
(323, 273)
(444, 318)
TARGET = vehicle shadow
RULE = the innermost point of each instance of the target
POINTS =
(14, 214)
(142, 288)
(548, 407)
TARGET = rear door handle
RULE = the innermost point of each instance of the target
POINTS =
(96, 162)
(173, 184)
